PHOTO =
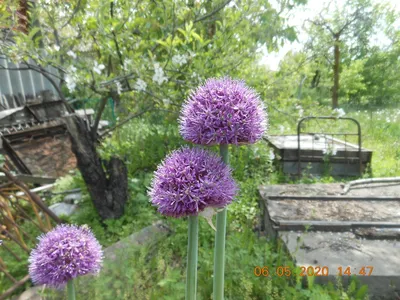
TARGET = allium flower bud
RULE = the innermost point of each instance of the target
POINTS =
(64, 253)
(189, 180)
(223, 111)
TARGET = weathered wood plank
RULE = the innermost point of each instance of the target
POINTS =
(331, 226)
(339, 169)
(333, 198)
(30, 179)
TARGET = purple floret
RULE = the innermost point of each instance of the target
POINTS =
(223, 111)
(189, 180)
(64, 253)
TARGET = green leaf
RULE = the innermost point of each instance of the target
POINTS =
(197, 37)
(362, 292)
(33, 32)
(161, 42)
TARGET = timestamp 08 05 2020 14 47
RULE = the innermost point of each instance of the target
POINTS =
(282, 271)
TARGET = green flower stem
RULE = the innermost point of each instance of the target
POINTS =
(219, 253)
(191, 272)
(71, 290)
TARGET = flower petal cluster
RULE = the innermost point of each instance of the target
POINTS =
(64, 253)
(339, 112)
(159, 76)
(179, 59)
(140, 85)
(223, 111)
(189, 180)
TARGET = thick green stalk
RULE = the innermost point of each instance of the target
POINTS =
(219, 253)
(71, 290)
(191, 269)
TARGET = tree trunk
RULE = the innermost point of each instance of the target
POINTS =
(23, 16)
(108, 184)
(335, 89)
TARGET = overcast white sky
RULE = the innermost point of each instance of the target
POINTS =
(297, 18)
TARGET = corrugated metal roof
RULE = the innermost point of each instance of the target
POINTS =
(18, 86)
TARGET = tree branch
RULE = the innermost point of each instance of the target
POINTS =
(98, 117)
(28, 68)
(125, 121)
(118, 79)
(213, 12)
(349, 22)
(321, 23)
(121, 61)
(73, 14)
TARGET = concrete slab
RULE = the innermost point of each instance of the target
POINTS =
(370, 250)
(343, 250)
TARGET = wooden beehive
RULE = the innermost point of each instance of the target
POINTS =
(319, 154)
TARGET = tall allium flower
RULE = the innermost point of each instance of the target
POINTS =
(64, 253)
(189, 180)
(223, 111)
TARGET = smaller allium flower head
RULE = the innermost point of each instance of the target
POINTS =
(64, 253)
(223, 111)
(189, 180)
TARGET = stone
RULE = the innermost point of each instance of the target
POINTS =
(73, 198)
(39, 292)
(375, 263)
(63, 209)
(142, 237)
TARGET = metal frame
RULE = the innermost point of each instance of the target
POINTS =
(331, 134)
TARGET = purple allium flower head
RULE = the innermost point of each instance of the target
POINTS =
(64, 253)
(223, 111)
(189, 180)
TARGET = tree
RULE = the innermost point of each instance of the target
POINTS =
(145, 55)
(381, 76)
(347, 28)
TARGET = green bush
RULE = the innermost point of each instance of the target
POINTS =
(142, 144)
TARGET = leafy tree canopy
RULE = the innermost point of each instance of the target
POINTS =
(144, 50)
